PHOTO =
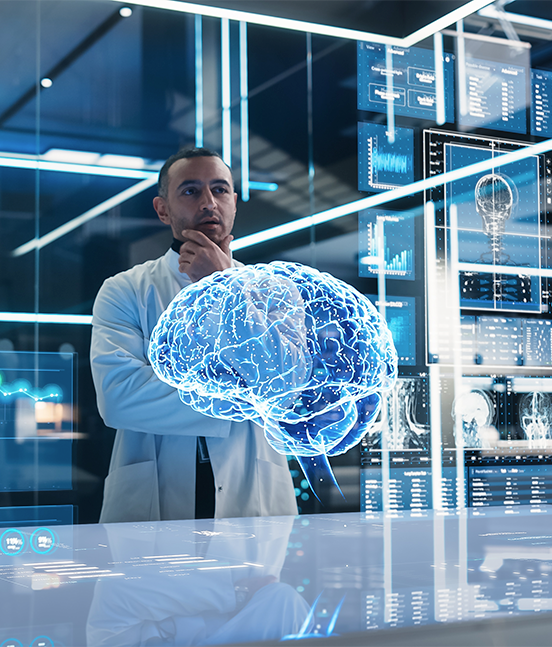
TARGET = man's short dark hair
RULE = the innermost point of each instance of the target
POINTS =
(184, 153)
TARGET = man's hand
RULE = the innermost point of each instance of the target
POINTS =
(200, 256)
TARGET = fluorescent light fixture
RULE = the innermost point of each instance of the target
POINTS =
(389, 196)
(516, 18)
(504, 269)
(263, 186)
(244, 113)
(199, 81)
(314, 28)
(42, 318)
(390, 98)
(122, 161)
(34, 163)
(125, 12)
(72, 157)
(445, 21)
(369, 260)
(123, 196)
(438, 55)
(225, 91)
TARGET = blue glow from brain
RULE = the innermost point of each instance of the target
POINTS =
(298, 351)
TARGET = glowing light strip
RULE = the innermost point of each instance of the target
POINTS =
(389, 196)
(192, 561)
(38, 243)
(263, 186)
(199, 81)
(32, 317)
(462, 85)
(390, 98)
(480, 268)
(315, 28)
(244, 113)
(216, 568)
(161, 557)
(226, 96)
(36, 164)
(82, 577)
(516, 18)
(444, 21)
(438, 54)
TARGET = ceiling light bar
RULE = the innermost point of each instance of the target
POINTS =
(263, 186)
(315, 28)
(31, 317)
(34, 164)
(480, 268)
(123, 196)
(445, 21)
(389, 196)
(516, 18)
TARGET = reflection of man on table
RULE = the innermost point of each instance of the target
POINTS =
(226, 590)
(170, 462)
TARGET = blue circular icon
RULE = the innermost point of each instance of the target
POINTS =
(43, 541)
(12, 542)
(11, 642)
(42, 641)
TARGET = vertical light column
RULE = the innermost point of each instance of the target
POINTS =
(310, 139)
(226, 97)
(199, 81)
(433, 352)
(461, 63)
(244, 113)
(385, 457)
(439, 78)
(390, 100)
(456, 342)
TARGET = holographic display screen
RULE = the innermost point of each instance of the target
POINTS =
(42, 515)
(397, 254)
(413, 76)
(541, 102)
(496, 96)
(410, 488)
(383, 165)
(498, 226)
(36, 421)
(400, 314)
(507, 485)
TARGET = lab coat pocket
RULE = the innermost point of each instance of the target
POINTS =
(131, 494)
(275, 489)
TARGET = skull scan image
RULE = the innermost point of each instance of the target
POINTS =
(535, 416)
(494, 201)
(398, 420)
(473, 414)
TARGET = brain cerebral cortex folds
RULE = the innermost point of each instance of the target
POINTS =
(297, 351)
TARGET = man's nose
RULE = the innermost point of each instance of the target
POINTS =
(207, 199)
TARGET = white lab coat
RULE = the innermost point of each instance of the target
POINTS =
(152, 471)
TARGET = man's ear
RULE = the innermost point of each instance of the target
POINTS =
(160, 206)
(235, 201)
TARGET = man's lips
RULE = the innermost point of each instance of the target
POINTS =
(209, 223)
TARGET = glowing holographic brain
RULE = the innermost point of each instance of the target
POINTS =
(297, 351)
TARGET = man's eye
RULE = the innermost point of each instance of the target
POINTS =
(220, 189)
(188, 191)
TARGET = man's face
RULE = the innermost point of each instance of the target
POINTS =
(200, 196)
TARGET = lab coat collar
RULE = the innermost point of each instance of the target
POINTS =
(171, 258)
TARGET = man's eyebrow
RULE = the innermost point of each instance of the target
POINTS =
(196, 182)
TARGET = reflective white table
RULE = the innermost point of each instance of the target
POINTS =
(264, 579)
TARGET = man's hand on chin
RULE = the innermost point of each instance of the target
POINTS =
(200, 256)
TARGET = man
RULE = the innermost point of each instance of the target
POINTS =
(169, 461)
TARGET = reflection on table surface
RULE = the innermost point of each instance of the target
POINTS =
(241, 580)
